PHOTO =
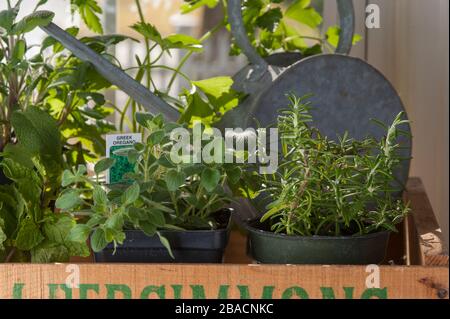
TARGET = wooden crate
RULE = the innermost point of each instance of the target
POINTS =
(417, 267)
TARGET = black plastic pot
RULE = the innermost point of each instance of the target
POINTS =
(270, 248)
(194, 246)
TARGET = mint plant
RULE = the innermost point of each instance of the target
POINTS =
(334, 188)
(51, 116)
(30, 230)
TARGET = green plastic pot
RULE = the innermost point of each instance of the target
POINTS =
(270, 248)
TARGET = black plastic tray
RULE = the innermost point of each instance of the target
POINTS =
(196, 246)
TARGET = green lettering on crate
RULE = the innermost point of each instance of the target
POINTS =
(198, 292)
(84, 289)
(160, 291)
(52, 288)
(375, 292)
(177, 291)
(17, 290)
(67, 291)
(295, 291)
(328, 292)
(223, 292)
(267, 292)
(111, 290)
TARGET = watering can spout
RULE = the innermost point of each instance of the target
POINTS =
(113, 74)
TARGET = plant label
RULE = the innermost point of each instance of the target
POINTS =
(116, 147)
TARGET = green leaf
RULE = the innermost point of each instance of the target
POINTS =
(68, 178)
(26, 180)
(155, 137)
(165, 161)
(139, 147)
(32, 21)
(89, 10)
(115, 222)
(7, 18)
(57, 230)
(156, 217)
(196, 107)
(29, 235)
(41, 3)
(149, 31)
(81, 170)
(174, 179)
(147, 227)
(136, 214)
(158, 206)
(210, 178)
(79, 233)
(38, 133)
(216, 86)
(145, 120)
(301, 12)
(192, 5)
(234, 174)
(290, 37)
(333, 33)
(133, 156)
(221, 99)
(48, 252)
(182, 41)
(356, 38)
(166, 244)
(19, 50)
(100, 197)
(131, 194)
(68, 200)
(98, 240)
(270, 19)
(275, 209)
(95, 220)
(78, 248)
(104, 165)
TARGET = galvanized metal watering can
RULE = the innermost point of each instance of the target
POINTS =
(347, 92)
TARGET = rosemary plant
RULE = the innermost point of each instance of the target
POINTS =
(332, 188)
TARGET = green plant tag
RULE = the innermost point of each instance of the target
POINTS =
(116, 148)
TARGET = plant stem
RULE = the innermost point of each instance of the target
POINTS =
(205, 37)
(66, 111)
(10, 255)
(147, 44)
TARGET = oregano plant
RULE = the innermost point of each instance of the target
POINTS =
(161, 193)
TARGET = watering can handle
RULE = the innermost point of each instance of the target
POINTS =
(113, 74)
(347, 21)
